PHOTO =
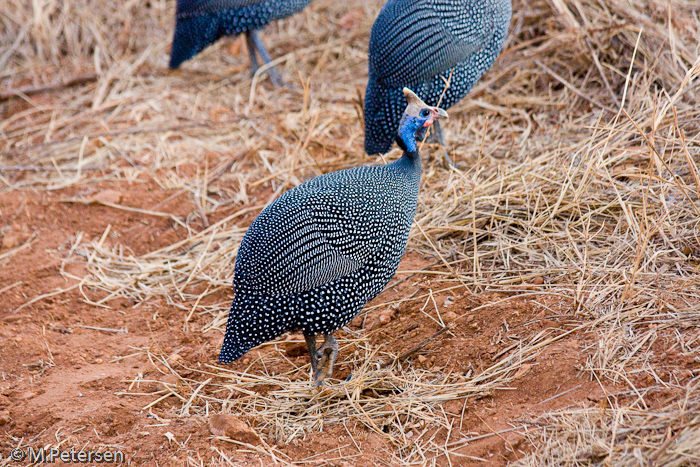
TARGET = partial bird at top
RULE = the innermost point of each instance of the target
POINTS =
(200, 23)
(417, 43)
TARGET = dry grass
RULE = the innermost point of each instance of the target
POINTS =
(577, 163)
(627, 433)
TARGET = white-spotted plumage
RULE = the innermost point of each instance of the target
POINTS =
(200, 23)
(318, 253)
(420, 44)
(315, 256)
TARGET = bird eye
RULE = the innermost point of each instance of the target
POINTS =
(424, 112)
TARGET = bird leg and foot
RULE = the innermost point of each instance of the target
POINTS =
(323, 359)
(254, 65)
(436, 136)
(327, 354)
(255, 48)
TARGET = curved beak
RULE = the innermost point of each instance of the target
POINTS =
(440, 113)
(435, 113)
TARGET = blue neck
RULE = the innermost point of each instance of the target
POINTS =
(407, 138)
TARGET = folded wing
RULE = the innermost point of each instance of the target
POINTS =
(414, 40)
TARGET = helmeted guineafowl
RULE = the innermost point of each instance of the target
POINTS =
(200, 23)
(415, 42)
(318, 253)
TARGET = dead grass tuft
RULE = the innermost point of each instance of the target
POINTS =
(622, 434)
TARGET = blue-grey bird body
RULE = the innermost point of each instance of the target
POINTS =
(417, 43)
(318, 253)
(200, 23)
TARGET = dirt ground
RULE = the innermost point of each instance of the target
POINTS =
(65, 383)
(552, 274)
(61, 382)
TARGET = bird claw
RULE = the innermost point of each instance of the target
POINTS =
(325, 358)
(276, 79)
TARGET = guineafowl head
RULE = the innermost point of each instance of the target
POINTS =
(416, 118)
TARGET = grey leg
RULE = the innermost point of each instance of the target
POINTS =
(327, 354)
(311, 347)
(251, 52)
(265, 57)
(437, 137)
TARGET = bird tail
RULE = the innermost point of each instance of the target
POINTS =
(254, 319)
(230, 351)
(192, 35)
(232, 348)
(383, 108)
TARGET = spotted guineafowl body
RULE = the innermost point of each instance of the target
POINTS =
(200, 23)
(340, 241)
(417, 43)
(318, 253)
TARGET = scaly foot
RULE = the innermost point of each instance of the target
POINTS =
(327, 354)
